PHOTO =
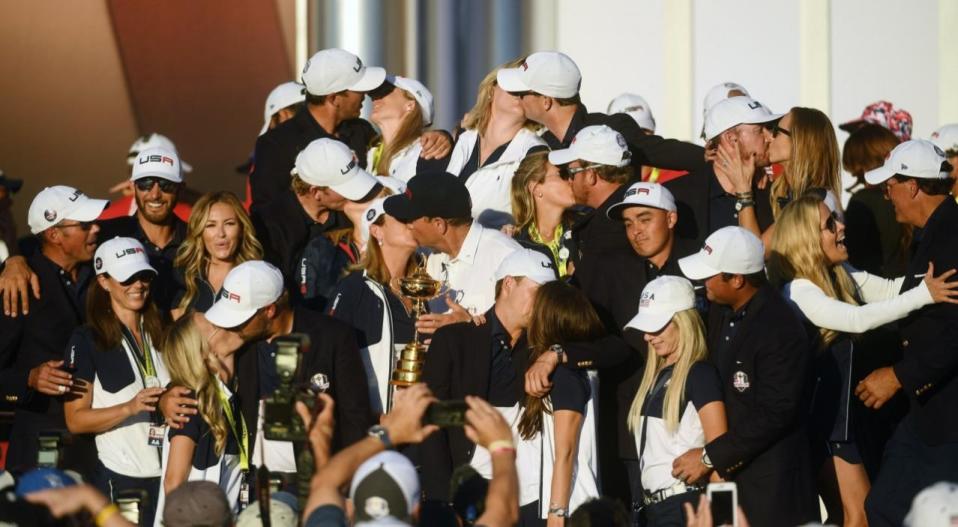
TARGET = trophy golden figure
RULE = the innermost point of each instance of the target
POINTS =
(420, 288)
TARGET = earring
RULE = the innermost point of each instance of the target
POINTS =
(539, 195)
(380, 242)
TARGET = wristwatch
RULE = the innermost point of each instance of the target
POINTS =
(380, 433)
(705, 460)
(561, 512)
(560, 353)
(743, 203)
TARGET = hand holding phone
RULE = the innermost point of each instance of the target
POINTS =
(723, 503)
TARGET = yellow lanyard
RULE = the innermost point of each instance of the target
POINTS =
(377, 154)
(242, 437)
(555, 246)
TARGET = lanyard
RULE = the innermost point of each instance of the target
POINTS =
(241, 434)
(144, 358)
(555, 246)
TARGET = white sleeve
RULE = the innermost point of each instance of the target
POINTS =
(826, 312)
(875, 288)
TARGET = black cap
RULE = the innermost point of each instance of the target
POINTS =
(431, 195)
(13, 185)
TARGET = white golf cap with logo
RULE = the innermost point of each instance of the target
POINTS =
(732, 250)
(661, 299)
(121, 258)
(157, 162)
(735, 111)
(330, 163)
(643, 194)
(529, 264)
(334, 70)
(55, 204)
(282, 96)
(419, 92)
(595, 144)
(636, 107)
(155, 140)
(946, 137)
(720, 92)
(917, 158)
(247, 288)
(548, 73)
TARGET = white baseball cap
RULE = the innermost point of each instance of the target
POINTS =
(55, 204)
(121, 258)
(334, 70)
(596, 144)
(372, 213)
(946, 137)
(661, 299)
(918, 158)
(286, 94)
(728, 250)
(157, 162)
(152, 141)
(419, 92)
(643, 194)
(528, 263)
(247, 288)
(935, 506)
(394, 184)
(719, 93)
(384, 490)
(549, 73)
(735, 111)
(635, 107)
(330, 163)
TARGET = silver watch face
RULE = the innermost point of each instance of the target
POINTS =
(319, 383)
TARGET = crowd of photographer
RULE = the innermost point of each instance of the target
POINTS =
(550, 317)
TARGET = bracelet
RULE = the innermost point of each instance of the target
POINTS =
(555, 510)
(501, 445)
(745, 195)
(105, 514)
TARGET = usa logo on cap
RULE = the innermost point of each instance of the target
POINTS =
(230, 296)
(647, 299)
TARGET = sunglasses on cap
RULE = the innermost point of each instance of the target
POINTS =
(83, 225)
(143, 276)
(146, 184)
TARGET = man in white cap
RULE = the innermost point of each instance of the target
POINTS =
(763, 355)
(336, 82)
(325, 177)
(946, 138)
(32, 344)
(719, 93)
(924, 448)
(548, 84)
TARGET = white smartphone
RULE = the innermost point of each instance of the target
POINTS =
(723, 501)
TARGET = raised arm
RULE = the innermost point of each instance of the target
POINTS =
(830, 313)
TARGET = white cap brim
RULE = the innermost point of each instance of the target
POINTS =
(124, 272)
(510, 80)
(562, 157)
(649, 322)
(372, 78)
(88, 210)
(356, 187)
(695, 268)
(879, 175)
(225, 315)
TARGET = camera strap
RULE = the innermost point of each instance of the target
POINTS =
(240, 434)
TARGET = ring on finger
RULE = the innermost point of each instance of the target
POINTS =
(61, 388)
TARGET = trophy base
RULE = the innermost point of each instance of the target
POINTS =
(409, 366)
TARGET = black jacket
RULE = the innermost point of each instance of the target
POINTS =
(276, 150)
(458, 364)
(333, 351)
(28, 341)
(928, 371)
(766, 374)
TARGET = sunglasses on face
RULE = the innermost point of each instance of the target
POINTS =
(146, 184)
(776, 129)
(143, 276)
(568, 173)
(831, 223)
(83, 225)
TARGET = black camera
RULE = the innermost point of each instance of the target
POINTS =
(280, 421)
(446, 414)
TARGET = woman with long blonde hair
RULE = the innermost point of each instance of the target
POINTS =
(496, 137)
(213, 445)
(809, 263)
(220, 236)
(542, 202)
(678, 406)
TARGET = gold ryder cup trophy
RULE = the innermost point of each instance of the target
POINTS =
(420, 288)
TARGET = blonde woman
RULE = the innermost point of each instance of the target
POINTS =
(808, 262)
(402, 110)
(214, 444)
(220, 236)
(497, 137)
(542, 202)
(678, 406)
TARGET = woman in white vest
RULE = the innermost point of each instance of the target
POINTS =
(369, 299)
(566, 459)
(497, 137)
(120, 373)
(678, 405)
(402, 110)
(214, 444)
